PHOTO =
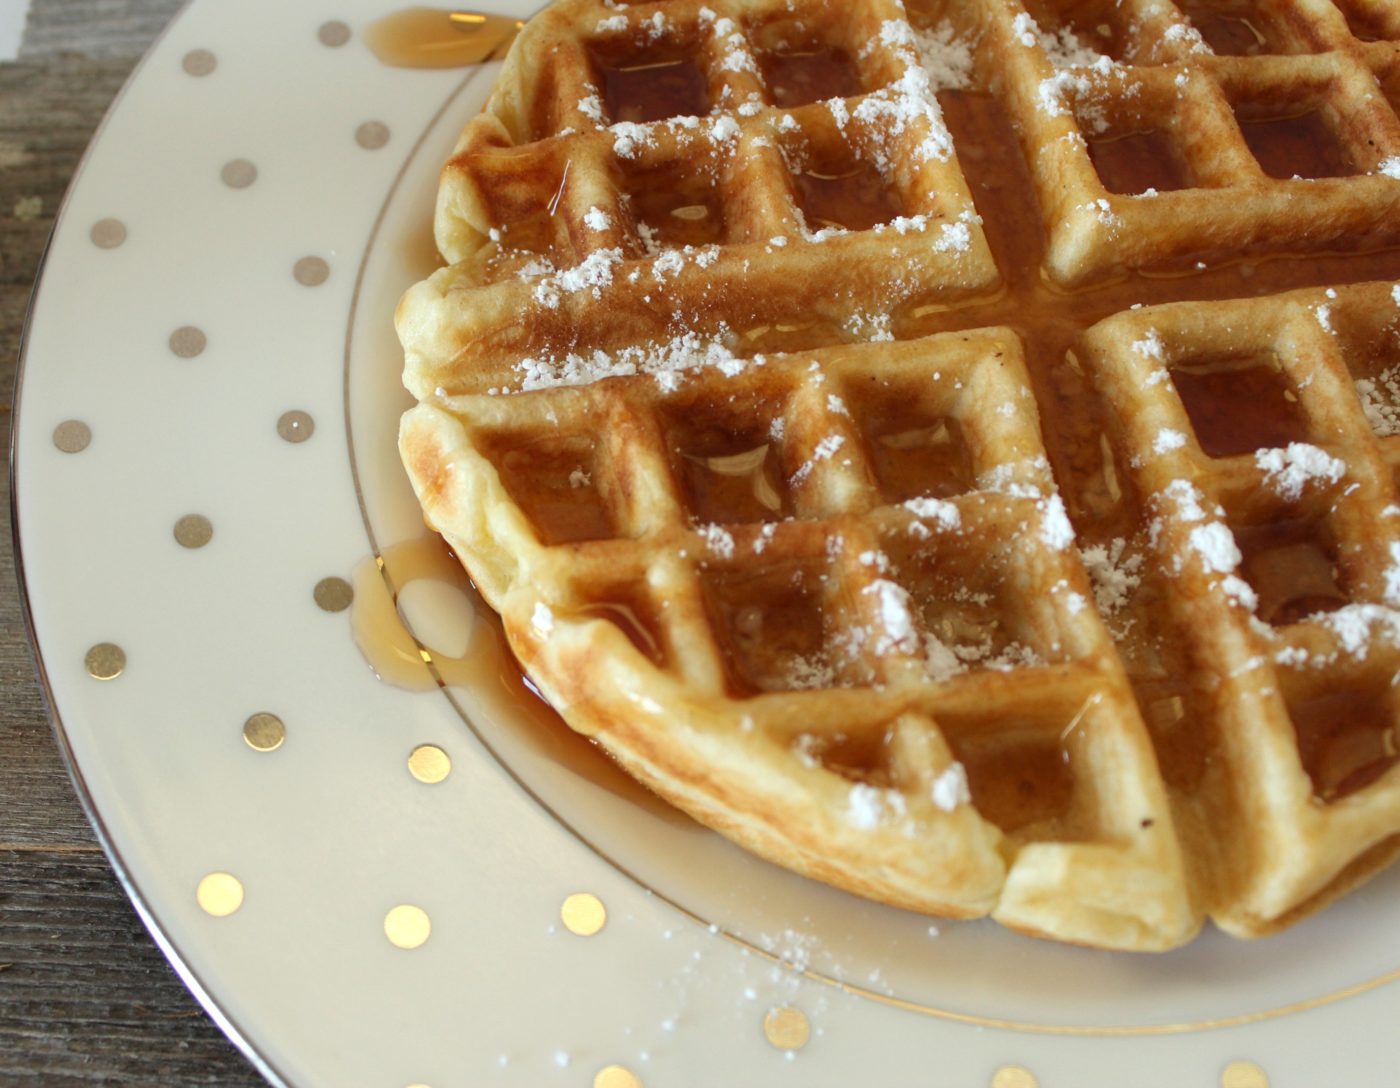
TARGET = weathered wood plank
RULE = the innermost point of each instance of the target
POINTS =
(85, 996)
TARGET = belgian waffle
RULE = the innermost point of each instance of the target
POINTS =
(964, 488)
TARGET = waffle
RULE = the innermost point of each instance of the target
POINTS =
(951, 453)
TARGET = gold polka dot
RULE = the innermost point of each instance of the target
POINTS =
(616, 1076)
(105, 661)
(295, 426)
(583, 914)
(1014, 1076)
(1243, 1075)
(239, 173)
(188, 341)
(787, 1028)
(72, 436)
(311, 271)
(193, 531)
(199, 62)
(108, 233)
(407, 926)
(334, 33)
(372, 135)
(429, 763)
(219, 894)
(264, 732)
(333, 594)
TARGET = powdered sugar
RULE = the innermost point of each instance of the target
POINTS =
(945, 56)
(892, 602)
(1167, 440)
(869, 806)
(1380, 399)
(718, 540)
(1055, 528)
(950, 788)
(1289, 470)
(666, 361)
(1112, 575)
(940, 511)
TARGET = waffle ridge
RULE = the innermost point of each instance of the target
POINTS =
(915, 554)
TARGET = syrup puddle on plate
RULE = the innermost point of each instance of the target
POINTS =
(421, 37)
(425, 575)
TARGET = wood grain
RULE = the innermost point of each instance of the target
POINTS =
(85, 996)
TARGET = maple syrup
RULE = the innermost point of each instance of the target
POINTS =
(423, 37)
(486, 666)
(653, 91)
(1227, 33)
(1135, 162)
(678, 209)
(627, 608)
(1369, 22)
(1182, 741)
(770, 627)
(552, 481)
(729, 489)
(1239, 404)
(851, 196)
(1346, 739)
(1291, 568)
(1299, 145)
(1020, 777)
(796, 78)
(915, 453)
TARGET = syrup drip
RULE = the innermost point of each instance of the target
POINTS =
(855, 199)
(552, 481)
(797, 78)
(486, 667)
(1302, 145)
(1291, 570)
(1228, 35)
(631, 616)
(1138, 161)
(1239, 405)
(1346, 739)
(654, 91)
(1022, 782)
(422, 37)
(734, 488)
(913, 462)
(679, 210)
(770, 627)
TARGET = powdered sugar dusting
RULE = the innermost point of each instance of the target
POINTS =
(1380, 399)
(946, 57)
(1289, 470)
(950, 788)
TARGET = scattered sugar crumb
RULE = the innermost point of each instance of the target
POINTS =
(718, 541)
(1168, 439)
(941, 511)
(949, 791)
(1291, 468)
(945, 56)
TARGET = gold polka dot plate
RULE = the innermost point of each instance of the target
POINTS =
(370, 852)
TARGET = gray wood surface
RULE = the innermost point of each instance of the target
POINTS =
(85, 996)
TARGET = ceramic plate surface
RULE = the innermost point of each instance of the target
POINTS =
(369, 884)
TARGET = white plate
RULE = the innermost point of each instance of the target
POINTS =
(330, 832)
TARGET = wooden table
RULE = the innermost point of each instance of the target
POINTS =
(85, 997)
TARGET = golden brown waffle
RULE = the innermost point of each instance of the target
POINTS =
(878, 549)
(545, 204)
